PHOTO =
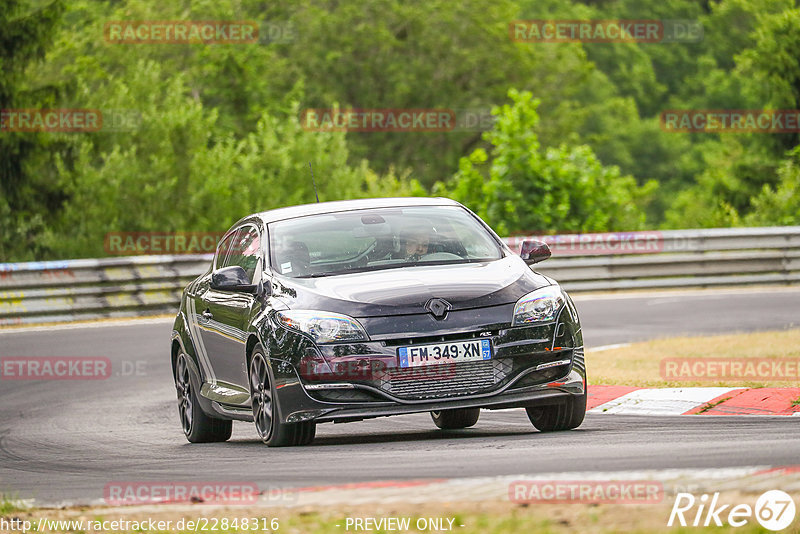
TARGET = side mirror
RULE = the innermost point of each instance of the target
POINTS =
(233, 278)
(534, 251)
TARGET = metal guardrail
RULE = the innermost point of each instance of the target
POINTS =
(55, 291)
(69, 290)
(674, 258)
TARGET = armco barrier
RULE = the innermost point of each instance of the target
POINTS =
(145, 285)
(674, 258)
(69, 290)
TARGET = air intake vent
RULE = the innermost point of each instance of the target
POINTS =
(446, 380)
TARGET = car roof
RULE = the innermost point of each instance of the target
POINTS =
(319, 208)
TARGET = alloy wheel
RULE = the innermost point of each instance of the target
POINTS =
(262, 396)
(184, 388)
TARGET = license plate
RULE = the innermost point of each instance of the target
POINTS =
(434, 354)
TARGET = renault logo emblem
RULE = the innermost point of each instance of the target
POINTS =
(438, 307)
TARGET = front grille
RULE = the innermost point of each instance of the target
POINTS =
(446, 380)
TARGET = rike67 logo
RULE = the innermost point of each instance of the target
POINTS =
(774, 510)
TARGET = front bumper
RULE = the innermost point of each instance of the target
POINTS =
(533, 365)
(298, 400)
(298, 406)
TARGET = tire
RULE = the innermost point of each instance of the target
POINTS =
(454, 419)
(197, 426)
(567, 415)
(268, 425)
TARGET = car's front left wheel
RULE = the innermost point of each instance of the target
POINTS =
(270, 429)
(197, 426)
(457, 418)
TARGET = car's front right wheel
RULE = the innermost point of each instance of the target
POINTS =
(566, 415)
(270, 429)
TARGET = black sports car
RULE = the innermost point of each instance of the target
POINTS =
(342, 311)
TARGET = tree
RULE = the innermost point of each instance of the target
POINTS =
(529, 189)
(779, 205)
(27, 198)
(740, 168)
(177, 169)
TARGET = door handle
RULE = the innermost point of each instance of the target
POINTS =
(207, 314)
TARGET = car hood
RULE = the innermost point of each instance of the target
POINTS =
(407, 290)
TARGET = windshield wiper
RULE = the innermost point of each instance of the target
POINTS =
(356, 270)
(334, 273)
(322, 274)
(374, 268)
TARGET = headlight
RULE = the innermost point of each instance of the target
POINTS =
(324, 327)
(540, 306)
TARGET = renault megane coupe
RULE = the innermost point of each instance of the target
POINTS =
(343, 311)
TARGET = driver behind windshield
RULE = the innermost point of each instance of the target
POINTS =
(414, 243)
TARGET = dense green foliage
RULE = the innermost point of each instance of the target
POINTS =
(214, 131)
(531, 189)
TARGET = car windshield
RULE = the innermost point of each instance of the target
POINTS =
(373, 239)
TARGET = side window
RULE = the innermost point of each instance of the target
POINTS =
(223, 251)
(245, 250)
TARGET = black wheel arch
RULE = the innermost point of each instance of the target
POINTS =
(181, 341)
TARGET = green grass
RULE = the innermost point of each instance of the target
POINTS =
(8, 504)
(639, 364)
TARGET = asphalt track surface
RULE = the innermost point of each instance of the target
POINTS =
(63, 441)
